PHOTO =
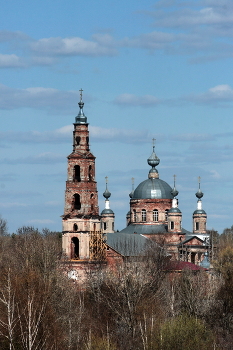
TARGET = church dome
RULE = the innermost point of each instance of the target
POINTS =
(153, 188)
(107, 211)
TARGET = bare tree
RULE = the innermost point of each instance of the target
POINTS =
(3, 227)
(8, 319)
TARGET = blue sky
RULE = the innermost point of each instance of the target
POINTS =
(148, 69)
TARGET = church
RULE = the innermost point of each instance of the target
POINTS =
(88, 236)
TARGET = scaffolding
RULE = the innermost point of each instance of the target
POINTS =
(97, 246)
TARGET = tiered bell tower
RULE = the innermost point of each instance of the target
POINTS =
(81, 212)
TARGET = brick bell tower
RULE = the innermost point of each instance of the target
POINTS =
(81, 213)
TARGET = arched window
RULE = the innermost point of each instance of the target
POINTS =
(143, 215)
(105, 226)
(166, 214)
(172, 225)
(75, 227)
(113, 226)
(75, 248)
(77, 203)
(197, 226)
(134, 215)
(77, 173)
(155, 215)
(77, 140)
(90, 175)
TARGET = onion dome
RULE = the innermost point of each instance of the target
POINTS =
(81, 118)
(106, 193)
(199, 195)
(153, 187)
(153, 161)
(174, 191)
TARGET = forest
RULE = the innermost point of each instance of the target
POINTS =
(138, 306)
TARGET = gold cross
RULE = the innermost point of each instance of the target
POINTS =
(106, 178)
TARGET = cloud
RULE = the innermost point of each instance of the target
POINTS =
(218, 95)
(201, 29)
(192, 137)
(9, 36)
(12, 205)
(120, 135)
(52, 100)
(153, 41)
(48, 51)
(10, 61)
(64, 134)
(74, 46)
(133, 100)
(43, 158)
(192, 15)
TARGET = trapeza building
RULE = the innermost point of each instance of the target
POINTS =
(89, 237)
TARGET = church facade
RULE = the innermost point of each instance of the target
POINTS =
(89, 237)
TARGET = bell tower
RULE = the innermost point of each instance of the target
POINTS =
(81, 212)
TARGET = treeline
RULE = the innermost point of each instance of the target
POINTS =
(138, 306)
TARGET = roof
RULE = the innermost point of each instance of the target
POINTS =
(107, 211)
(126, 245)
(153, 188)
(148, 229)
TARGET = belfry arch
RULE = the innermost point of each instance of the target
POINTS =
(77, 176)
(75, 248)
(77, 202)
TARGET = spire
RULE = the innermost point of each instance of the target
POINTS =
(153, 161)
(199, 193)
(81, 118)
(107, 195)
(132, 192)
(174, 191)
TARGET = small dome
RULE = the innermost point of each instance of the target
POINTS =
(199, 194)
(153, 160)
(174, 210)
(199, 211)
(153, 188)
(107, 194)
(107, 211)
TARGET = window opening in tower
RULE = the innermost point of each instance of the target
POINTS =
(77, 203)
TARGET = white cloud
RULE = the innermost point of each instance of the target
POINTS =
(217, 95)
(74, 46)
(133, 100)
(9, 61)
(52, 100)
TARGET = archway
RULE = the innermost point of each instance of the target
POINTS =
(75, 246)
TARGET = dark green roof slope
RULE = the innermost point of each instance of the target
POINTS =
(125, 244)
